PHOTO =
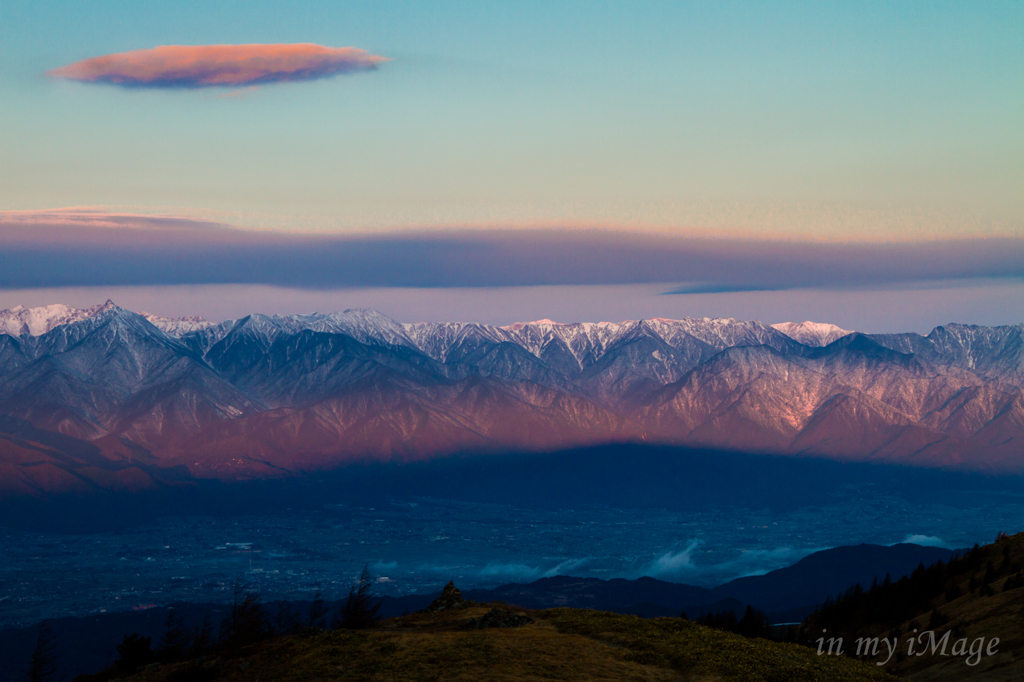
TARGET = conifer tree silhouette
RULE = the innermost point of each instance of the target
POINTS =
(361, 607)
(317, 611)
(247, 621)
(286, 622)
(175, 639)
(44, 662)
(202, 638)
(134, 652)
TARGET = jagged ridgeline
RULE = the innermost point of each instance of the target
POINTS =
(975, 597)
(104, 398)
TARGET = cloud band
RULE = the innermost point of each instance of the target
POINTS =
(199, 66)
(83, 248)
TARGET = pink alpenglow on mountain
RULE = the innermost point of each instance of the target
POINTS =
(812, 333)
(35, 321)
(122, 401)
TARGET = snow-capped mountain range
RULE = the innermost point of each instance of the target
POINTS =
(812, 333)
(583, 337)
(106, 397)
(35, 321)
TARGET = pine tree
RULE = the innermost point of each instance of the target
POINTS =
(247, 621)
(361, 607)
(722, 620)
(287, 621)
(990, 574)
(175, 638)
(202, 638)
(317, 611)
(753, 624)
(953, 592)
(134, 652)
(44, 662)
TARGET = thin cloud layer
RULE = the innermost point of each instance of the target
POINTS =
(84, 248)
(201, 66)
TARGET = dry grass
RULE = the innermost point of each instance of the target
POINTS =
(999, 615)
(563, 644)
(703, 653)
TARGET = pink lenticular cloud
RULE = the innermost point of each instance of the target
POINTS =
(200, 66)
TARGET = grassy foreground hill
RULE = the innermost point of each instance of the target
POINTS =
(560, 644)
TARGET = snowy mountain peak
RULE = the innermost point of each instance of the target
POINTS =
(363, 324)
(812, 333)
(177, 326)
(516, 326)
(20, 320)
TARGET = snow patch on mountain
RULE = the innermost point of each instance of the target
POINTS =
(588, 342)
(20, 320)
(515, 326)
(812, 333)
(363, 324)
(437, 339)
(177, 326)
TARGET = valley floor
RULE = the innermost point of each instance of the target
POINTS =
(414, 545)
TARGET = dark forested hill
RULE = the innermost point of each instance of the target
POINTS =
(969, 601)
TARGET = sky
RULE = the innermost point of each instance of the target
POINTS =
(495, 160)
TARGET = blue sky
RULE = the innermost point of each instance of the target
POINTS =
(802, 121)
(657, 113)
